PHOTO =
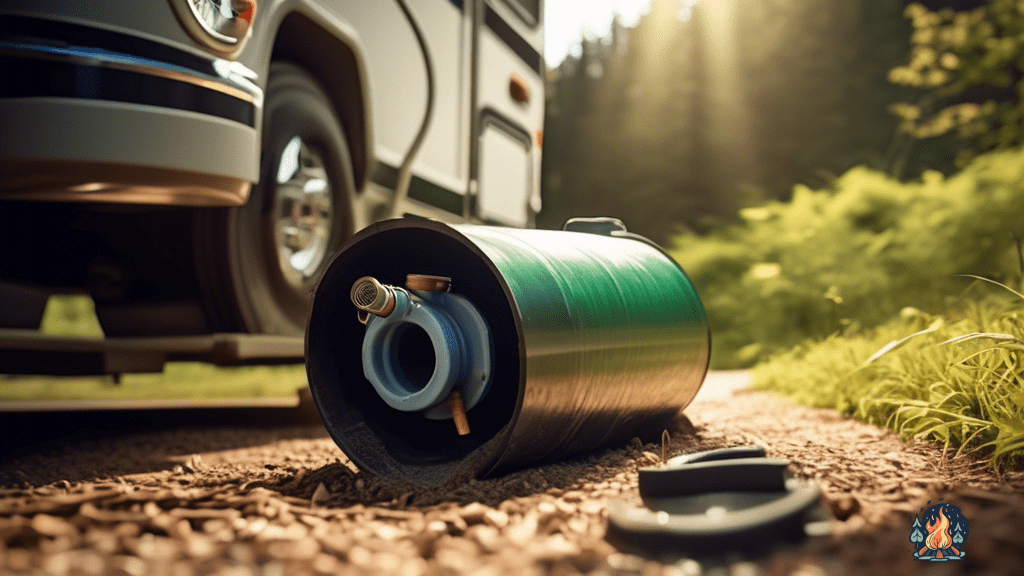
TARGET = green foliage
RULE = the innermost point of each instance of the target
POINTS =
(179, 380)
(853, 254)
(71, 315)
(957, 382)
(969, 65)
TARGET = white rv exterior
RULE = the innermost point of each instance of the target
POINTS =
(486, 121)
(244, 140)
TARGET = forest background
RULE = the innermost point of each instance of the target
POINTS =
(816, 167)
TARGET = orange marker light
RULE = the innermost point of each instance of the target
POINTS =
(244, 9)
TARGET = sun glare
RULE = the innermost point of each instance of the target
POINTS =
(566, 21)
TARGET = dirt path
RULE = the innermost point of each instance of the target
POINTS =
(239, 501)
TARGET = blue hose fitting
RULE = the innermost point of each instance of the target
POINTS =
(428, 345)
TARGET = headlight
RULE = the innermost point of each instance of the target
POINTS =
(222, 25)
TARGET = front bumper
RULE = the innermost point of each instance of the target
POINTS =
(89, 114)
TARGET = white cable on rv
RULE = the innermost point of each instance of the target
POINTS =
(405, 170)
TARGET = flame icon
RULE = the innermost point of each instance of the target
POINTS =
(938, 537)
(942, 541)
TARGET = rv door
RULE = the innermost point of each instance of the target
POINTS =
(508, 111)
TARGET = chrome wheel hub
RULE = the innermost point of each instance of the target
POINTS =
(303, 214)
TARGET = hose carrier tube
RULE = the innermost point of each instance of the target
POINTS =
(595, 337)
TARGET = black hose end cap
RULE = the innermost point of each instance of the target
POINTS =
(712, 503)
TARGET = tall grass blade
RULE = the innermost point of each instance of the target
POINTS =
(989, 280)
(898, 343)
(989, 335)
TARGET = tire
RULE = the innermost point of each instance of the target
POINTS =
(259, 262)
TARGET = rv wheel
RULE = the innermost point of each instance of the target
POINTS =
(261, 260)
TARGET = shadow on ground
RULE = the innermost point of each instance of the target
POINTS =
(82, 446)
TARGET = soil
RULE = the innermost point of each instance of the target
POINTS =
(285, 500)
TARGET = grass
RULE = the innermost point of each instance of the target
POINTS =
(74, 316)
(839, 297)
(953, 379)
(179, 380)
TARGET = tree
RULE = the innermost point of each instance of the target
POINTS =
(916, 536)
(680, 122)
(818, 89)
(968, 66)
(619, 129)
(958, 535)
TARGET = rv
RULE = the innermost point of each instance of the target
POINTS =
(192, 165)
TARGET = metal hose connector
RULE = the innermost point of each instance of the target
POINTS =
(371, 296)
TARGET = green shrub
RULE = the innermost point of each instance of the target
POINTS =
(854, 254)
(957, 382)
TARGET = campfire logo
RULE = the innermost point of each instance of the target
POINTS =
(939, 535)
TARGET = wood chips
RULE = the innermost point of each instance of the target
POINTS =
(259, 501)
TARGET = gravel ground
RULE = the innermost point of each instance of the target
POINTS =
(241, 501)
